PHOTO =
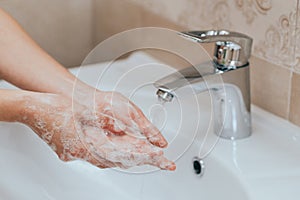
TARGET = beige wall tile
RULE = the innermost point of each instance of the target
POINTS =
(270, 86)
(63, 28)
(295, 100)
(114, 16)
(297, 42)
(111, 19)
(271, 23)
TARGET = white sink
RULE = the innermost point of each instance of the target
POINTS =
(263, 166)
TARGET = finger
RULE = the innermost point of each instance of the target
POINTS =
(150, 131)
(99, 162)
(113, 126)
(162, 162)
(157, 158)
(154, 156)
(130, 151)
(132, 113)
(166, 164)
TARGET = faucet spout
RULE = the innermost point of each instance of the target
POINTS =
(194, 75)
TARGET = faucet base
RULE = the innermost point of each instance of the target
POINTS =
(232, 119)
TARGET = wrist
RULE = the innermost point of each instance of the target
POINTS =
(84, 94)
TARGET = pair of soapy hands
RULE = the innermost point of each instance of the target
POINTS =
(109, 131)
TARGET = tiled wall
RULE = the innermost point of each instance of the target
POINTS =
(64, 28)
(275, 64)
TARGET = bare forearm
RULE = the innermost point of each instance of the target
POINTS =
(11, 105)
(26, 65)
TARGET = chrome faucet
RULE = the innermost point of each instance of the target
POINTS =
(231, 99)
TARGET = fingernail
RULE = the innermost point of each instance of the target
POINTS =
(171, 167)
(157, 141)
(163, 143)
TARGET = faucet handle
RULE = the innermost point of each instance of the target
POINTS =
(232, 49)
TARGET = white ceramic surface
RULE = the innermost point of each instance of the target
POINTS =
(264, 166)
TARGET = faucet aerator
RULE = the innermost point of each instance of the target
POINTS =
(164, 95)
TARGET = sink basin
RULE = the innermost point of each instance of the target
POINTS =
(30, 170)
(263, 166)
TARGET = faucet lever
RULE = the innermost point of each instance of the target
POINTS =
(232, 49)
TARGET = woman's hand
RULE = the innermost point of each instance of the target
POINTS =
(117, 113)
(102, 138)
(120, 116)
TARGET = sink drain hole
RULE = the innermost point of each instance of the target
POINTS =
(198, 166)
